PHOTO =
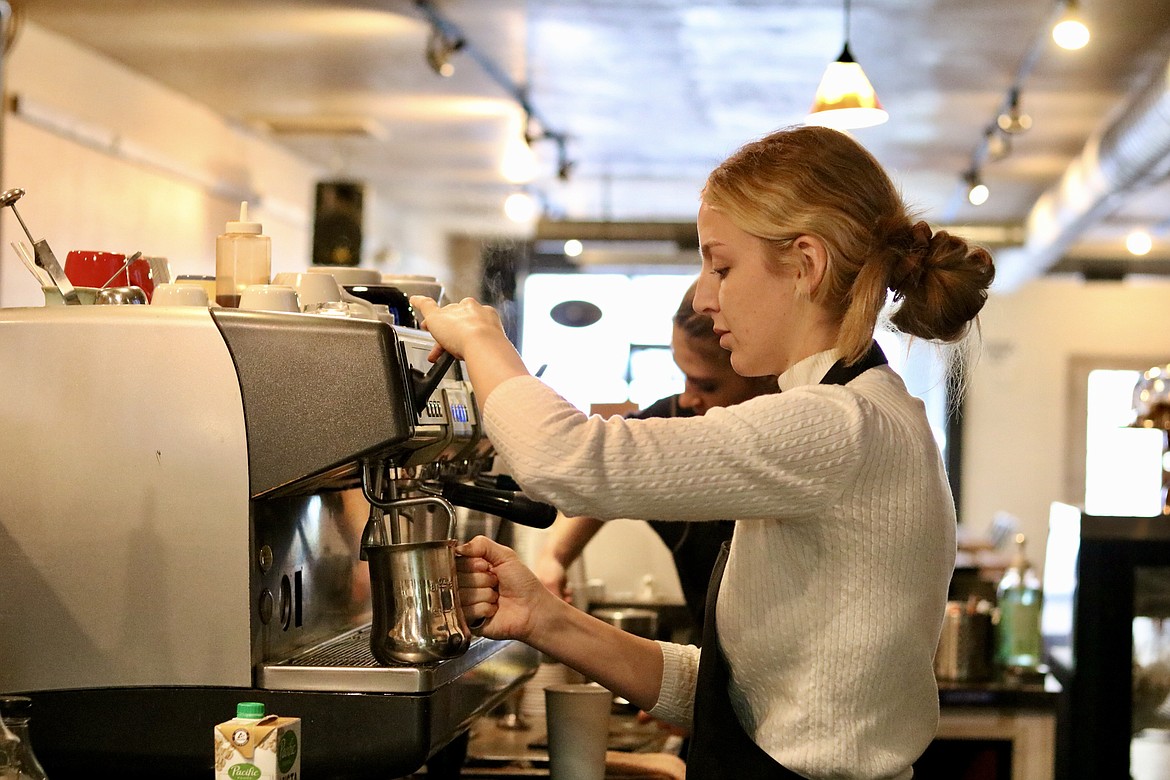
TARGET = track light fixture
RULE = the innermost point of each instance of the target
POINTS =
(1009, 119)
(446, 39)
(997, 143)
(1014, 121)
(845, 99)
(977, 191)
(533, 133)
(440, 47)
(1070, 31)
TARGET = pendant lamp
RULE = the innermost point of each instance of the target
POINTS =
(845, 99)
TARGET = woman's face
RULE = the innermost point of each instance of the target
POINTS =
(749, 296)
(709, 382)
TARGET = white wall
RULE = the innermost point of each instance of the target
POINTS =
(113, 161)
(1016, 432)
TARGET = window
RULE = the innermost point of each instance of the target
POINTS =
(1112, 469)
(625, 355)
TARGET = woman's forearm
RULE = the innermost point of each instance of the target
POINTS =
(492, 360)
(569, 535)
(629, 665)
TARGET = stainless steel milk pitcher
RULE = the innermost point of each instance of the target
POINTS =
(414, 586)
(415, 592)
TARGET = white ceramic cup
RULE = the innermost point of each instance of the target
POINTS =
(270, 297)
(312, 289)
(172, 294)
(578, 730)
(345, 274)
(416, 284)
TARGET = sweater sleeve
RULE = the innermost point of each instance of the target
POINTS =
(676, 700)
(804, 444)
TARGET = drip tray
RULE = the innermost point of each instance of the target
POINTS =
(345, 664)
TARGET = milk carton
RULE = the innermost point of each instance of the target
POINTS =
(253, 746)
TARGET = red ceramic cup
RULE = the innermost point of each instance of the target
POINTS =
(90, 268)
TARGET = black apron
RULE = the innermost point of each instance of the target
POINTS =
(720, 748)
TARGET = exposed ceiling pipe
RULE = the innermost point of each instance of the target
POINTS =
(1133, 150)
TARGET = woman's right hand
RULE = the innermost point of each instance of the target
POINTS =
(497, 588)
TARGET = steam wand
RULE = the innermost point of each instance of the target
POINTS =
(375, 527)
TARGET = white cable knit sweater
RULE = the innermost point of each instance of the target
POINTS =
(832, 600)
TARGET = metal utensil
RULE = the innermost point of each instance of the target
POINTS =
(26, 256)
(44, 257)
(120, 295)
(125, 267)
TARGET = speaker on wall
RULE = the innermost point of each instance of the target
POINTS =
(337, 226)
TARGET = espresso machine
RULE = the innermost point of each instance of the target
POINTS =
(188, 496)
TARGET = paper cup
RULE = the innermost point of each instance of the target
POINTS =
(578, 730)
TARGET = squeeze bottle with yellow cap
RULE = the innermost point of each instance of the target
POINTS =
(243, 256)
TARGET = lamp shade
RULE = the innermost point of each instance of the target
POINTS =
(845, 99)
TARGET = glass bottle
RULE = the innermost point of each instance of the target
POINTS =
(1019, 597)
(9, 754)
(17, 760)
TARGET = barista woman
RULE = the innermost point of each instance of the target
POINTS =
(709, 382)
(818, 646)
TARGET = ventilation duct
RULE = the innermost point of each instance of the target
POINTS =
(1130, 152)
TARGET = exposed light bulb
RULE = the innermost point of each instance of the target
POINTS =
(978, 194)
(518, 165)
(1139, 243)
(574, 248)
(1014, 121)
(1070, 32)
(520, 207)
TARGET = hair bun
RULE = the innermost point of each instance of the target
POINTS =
(907, 274)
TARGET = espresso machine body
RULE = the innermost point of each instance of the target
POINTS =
(181, 521)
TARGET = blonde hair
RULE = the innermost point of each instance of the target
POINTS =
(820, 182)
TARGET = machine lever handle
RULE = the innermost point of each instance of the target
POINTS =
(508, 504)
(423, 385)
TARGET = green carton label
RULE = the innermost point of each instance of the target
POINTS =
(286, 751)
(244, 772)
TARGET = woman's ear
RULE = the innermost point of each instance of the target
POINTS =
(812, 263)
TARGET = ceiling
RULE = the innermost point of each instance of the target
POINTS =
(641, 98)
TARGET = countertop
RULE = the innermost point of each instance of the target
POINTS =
(1038, 692)
(497, 750)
